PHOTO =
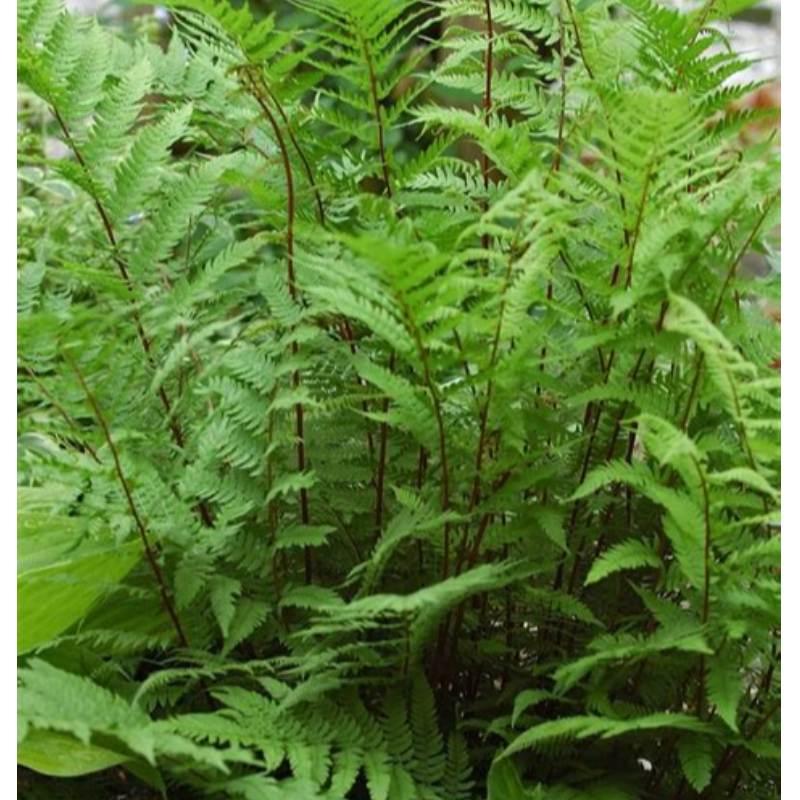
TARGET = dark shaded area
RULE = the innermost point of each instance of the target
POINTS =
(113, 784)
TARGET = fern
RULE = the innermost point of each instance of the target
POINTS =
(696, 760)
(724, 688)
(137, 175)
(625, 555)
(395, 419)
(61, 701)
(583, 727)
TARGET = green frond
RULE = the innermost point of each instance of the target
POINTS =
(587, 726)
(632, 554)
(60, 701)
(393, 384)
(139, 173)
(696, 760)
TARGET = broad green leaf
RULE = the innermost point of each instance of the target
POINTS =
(64, 571)
(63, 756)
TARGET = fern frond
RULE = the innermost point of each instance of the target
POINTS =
(585, 727)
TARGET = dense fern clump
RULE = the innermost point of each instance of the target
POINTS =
(395, 420)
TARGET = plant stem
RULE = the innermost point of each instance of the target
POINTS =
(65, 415)
(140, 525)
(487, 108)
(383, 444)
(373, 88)
(108, 227)
(145, 341)
(260, 93)
(717, 310)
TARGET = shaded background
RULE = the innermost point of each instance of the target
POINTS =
(756, 33)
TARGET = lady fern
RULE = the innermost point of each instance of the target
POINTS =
(391, 394)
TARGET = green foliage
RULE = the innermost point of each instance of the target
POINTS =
(394, 419)
(53, 699)
(63, 569)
